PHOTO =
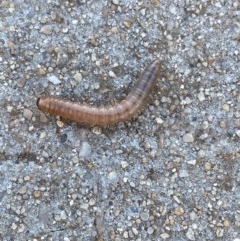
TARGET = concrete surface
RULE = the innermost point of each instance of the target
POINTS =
(172, 173)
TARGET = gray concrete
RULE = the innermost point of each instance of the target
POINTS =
(172, 173)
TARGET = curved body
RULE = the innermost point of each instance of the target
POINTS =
(105, 115)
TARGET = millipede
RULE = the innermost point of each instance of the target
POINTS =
(104, 115)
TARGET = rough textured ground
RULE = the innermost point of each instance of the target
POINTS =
(173, 173)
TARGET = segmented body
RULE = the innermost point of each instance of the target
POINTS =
(104, 115)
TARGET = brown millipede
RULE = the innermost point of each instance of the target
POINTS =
(104, 115)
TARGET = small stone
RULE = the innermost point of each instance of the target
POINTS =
(226, 107)
(208, 166)
(42, 71)
(114, 30)
(60, 123)
(116, 2)
(164, 235)
(22, 190)
(219, 232)
(150, 230)
(85, 149)
(124, 164)
(78, 77)
(125, 234)
(159, 120)
(65, 30)
(46, 29)
(134, 230)
(192, 162)
(112, 175)
(144, 216)
(97, 130)
(190, 234)
(193, 215)
(226, 223)
(57, 218)
(222, 124)
(128, 23)
(112, 74)
(91, 202)
(43, 134)
(13, 226)
(63, 215)
(201, 153)
(84, 206)
(43, 117)
(130, 233)
(21, 228)
(204, 125)
(37, 194)
(9, 109)
(188, 101)
(188, 138)
(27, 114)
(176, 199)
(179, 211)
(132, 184)
(201, 96)
(155, 2)
(147, 145)
(21, 82)
(203, 136)
(183, 173)
(53, 79)
(238, 133)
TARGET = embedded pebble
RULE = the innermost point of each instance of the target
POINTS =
(219, 232)
(159, 120)
(43, 118)
(164, 235)
(112, 175)
(226, 107)
(201, 96)
(116, 2)
(22, 190)
(188, 138)
(53, 79)
(150, 230)
(85, 149)
(124, 164)
(183, 173)
(192, 162)
(63, 215)
(14, 226)
(204, 125)
(43, 135)
(37, 194)
(78, 77)
(226, 223)
(190, 234)
(21, 82)
(46, 29)
(208, 166)
(21, 228)
(144, 216)
(179, 211)
(112, 74)
(60, 123)
(27, 114)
